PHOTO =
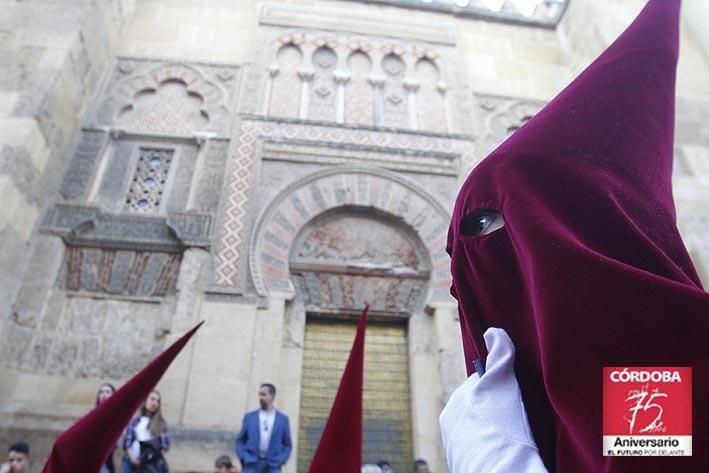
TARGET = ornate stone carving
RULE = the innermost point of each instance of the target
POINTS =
(211, 178)
(229, 271)
(82, 167)
(359, 103)
(114, 180)
(394, 107)
(322, 91)
(169, 98)
(169, 108)
(346, 187)
(500, 117)
(374, 94)
(349, 239)
(324, 291)
(139, 274)
(285, 91)
(179, 184)
(430, 105)
(86, 226)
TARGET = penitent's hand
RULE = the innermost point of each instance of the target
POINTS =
(5, 468)
(484, 425)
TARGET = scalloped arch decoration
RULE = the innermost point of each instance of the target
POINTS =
(209, 95)
(280, 223)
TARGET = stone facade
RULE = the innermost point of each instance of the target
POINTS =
(259, 165)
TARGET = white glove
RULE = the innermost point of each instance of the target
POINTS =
(484, 424)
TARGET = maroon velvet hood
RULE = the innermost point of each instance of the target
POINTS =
(340, 447)
(85, 446)
(589, 270)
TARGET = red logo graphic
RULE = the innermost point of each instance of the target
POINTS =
(647, 411)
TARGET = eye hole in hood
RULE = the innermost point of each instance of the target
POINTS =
(481, 222)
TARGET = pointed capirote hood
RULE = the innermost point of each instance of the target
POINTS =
(340, 447)
(589, 269)
(85, 446)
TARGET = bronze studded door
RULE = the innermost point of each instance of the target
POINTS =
(387, 405)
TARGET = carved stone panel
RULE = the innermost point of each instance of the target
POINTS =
(349, 239)
(498, 118)
(359, 101)
(322, 90)
(330, 145)
(285, 88)
(88, 226)
(167, 98)
(345, 78)
(394, 96)
(346, 259)
(430, 105)
(169, 108)
(125, 273)
(114, 180)
(211, 177)
(375, 192)
(83, 166)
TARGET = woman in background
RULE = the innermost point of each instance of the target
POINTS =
(105, 391)
(149, 425)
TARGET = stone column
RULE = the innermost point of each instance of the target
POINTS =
(426, 402)
(306, 77)
(291, 371)
(411, 86)
(377, 83)
(272, 72)
(202, 140)
(341, 79)
(442, 89)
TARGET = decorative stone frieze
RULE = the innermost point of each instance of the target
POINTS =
(81, 225)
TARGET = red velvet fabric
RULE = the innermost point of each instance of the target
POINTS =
(85, 446)
(589, 270)
(340, 447)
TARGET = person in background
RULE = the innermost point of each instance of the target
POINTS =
(18, 459)
(264, 443)
(223, 464)
(105, 391)
(421, 466)
(385, 466)
(149, 425)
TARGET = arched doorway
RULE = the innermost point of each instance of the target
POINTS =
(342, 259)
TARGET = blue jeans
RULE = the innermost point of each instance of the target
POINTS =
(126, 466)
(261, 467)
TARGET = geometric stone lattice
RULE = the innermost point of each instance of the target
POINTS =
(146, 187)
(119, 272)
